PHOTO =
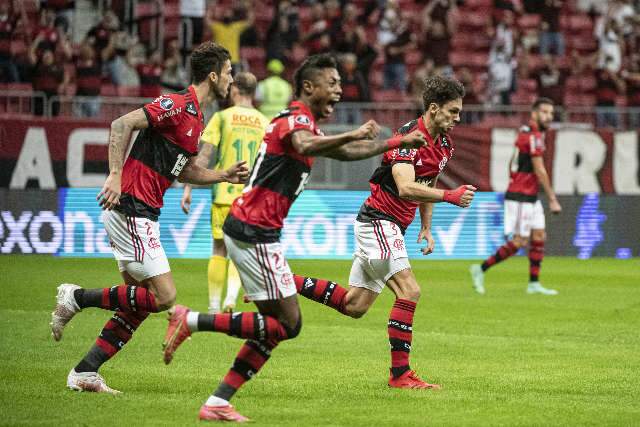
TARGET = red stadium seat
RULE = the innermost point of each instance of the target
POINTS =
(528, 22)
(128, 91)
(25, 87)
(579, 100)
(523, 98)
(108, 90)
(388, 96)
(527, 85)
(252, 53)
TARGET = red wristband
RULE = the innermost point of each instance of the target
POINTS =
(394, 142)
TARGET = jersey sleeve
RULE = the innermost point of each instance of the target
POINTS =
(212, 133)
(536, 144)
(294, 123)
(165, 111)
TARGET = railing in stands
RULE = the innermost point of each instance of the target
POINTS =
(18, 102)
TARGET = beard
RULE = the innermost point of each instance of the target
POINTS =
(218, 92)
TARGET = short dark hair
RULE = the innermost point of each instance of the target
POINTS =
(541, 101)
(246, 83)
(310, 67)
(206, 58)
(440, 90)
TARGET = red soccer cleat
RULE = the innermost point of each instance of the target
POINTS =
(410, 380)
(177, 332)
(221, 413)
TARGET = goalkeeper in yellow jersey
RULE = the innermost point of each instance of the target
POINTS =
(236, 133)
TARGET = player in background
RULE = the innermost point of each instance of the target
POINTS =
(523, 212)
(405, 180)
(253, 227)
(236, 133)
(132, 196)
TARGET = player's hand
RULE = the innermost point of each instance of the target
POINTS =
(238, 173)
(554, 206)
(414, 139)
(461, 196)
(369, 130)
(431, 244)
(185, 203)
(109, 196)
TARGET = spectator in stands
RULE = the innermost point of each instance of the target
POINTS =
(49, 77)
(471, 97)
(283, 32)
(316, 38)
(425, 70)
(226, 31)
(150, 73)
(609, 44)
(389, 23)
(631, 76)
(504, 34)
(550, 80)
(395, 69)
(349, 21)
(355, 41)
(436, 44)
(174, 76)
(441, 11)
(123, 67)
(101, 35)
(51, 35)
(192, 13)
(88, 82)
(621, 11)
(9, 22)
(500, 77)
(608, 86)
(274, 92)
(354, 86)
(551, 37)
(64, 11)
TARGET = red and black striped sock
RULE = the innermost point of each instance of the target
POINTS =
(536, 254)
(250, 359)
(115, 334)
(118, 298)
(400, 329)
(322, 291)
(248, 325)
(503, 252)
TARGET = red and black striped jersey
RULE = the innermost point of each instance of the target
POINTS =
(160, 152)
(277, 179)
(523, 182)
(428, 162)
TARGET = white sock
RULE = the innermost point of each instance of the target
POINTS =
(192, 320)
(216, 401)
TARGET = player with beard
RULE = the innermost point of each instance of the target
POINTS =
(252, 228)
(523, 213)
(405, 180)
(132, 196)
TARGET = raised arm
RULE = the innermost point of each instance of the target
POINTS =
(195, 174)
(308, 144)
(119, 137)
(405, 179)
(543, 179)
(358, 150)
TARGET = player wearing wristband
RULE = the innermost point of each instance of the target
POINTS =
(404, 181)
(252, 228)
(523, 213)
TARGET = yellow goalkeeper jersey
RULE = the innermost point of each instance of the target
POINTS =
(237, 133)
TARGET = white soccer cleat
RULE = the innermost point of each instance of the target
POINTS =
(477, 278)
(537, 288)
(66, 308)
(88, 381)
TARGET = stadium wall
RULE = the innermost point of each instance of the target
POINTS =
(57, 153)
(66, 222)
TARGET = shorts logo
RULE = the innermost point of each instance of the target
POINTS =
(153, 243)
(398, 244)
(166, 103)
(286, 279)
(303, 120)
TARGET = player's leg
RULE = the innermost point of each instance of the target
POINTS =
(536, 252)
(233, 288)
(218, 263)
(516, 224)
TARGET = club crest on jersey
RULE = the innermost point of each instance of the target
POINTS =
(191, 108)
(166, 103)
(303, 120)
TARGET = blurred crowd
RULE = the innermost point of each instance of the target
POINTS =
(579, 52)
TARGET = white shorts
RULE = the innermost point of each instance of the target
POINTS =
(521, 217)
(380, 253)
(136, 245)
(263, 269)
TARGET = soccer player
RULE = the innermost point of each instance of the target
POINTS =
(252, 228)
(237, 133)
(405, 180)
(132, 197)
(523, 213)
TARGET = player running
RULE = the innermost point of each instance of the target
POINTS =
(523, 213)
(405, 180)
(237, 133)
(252, 228)
(132, 197)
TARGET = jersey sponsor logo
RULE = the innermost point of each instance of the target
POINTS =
(405, 128)
(243, 119)
(169, 113)
(303, 120)
(424, 180)
(180, 163)
(166, 103)
(443, 163)
(191, 108)
(404, 152)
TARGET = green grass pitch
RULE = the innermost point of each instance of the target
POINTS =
(505, 358)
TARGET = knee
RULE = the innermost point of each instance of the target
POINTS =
(166, 299)
(294, 331)
(520, 241)
(413, 293)
(355, 311)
